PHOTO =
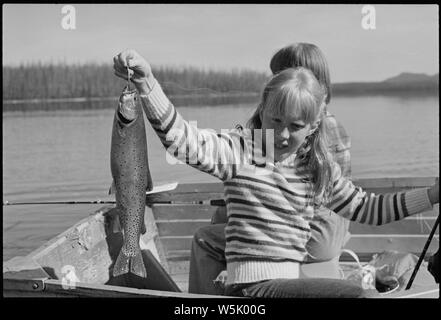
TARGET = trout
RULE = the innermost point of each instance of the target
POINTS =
(131, 179)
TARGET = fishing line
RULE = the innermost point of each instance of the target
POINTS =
(128, 78)
(168, 84)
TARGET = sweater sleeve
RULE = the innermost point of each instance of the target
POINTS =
(355, 204)
(215, 153)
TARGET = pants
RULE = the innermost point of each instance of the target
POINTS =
(300, 288)
(329, 233)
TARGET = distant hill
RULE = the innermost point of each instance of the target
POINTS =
(407, 77)
(405, 83)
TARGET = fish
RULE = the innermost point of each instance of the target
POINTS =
(131, 179)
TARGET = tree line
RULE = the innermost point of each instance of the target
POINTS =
(51, 81)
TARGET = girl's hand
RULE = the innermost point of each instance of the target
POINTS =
(139, 69)
(433, 192)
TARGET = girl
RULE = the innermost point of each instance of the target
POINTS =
(273, 180)
(329, 231)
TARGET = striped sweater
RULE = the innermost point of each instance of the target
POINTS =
(269, 205)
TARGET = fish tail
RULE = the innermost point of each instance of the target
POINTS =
(133, 264)
(137, 265)
(121, 265)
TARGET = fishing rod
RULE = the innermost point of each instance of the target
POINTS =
(149, 194)
(212, 202)
(7, 203)
(420, 260)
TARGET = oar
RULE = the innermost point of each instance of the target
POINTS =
(420, 260)
(157, 189)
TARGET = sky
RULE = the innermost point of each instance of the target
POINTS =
(226, 36)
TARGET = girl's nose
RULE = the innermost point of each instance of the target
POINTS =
(284, 133)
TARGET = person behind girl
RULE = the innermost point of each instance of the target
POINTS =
(272, 187)
(329, 231)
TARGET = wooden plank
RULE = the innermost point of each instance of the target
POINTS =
(180, 228)
(179, 268)
(184, 211)
(429, 292)
(30, 285)
(54, 287)
(204, 191)
(190, 192)
(182, 281)
(405, 182)
(152, 237)
(178, 255)
(198, 187)
(378, 244)
(176, 243)
(23, 268)
(216, 188)
(184, 197)
(406, 226)
(357, 244)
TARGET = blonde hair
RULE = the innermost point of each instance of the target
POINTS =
(298, 90)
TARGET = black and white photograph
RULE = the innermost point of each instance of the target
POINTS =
(217, 151)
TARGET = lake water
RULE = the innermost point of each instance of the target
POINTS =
(64, 155)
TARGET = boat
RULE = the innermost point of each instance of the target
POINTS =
(78, 262)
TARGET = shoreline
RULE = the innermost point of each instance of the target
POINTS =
(210, 95)
(99, 103)
(86, 99)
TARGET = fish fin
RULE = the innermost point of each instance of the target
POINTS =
(112, 189)
(137, 265)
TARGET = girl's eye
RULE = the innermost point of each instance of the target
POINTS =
(276, 120)
(295, 127)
